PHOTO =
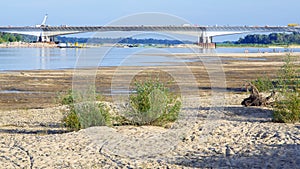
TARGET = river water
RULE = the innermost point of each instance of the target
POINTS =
(13, 59)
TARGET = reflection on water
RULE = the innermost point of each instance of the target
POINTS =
(19, 92)
(37, 58)
(52, 58)
(56, 58)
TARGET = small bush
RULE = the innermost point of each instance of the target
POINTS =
(287, 106)
(288, 75)
(92, 114)
(83, 114)
(152, 104)
(288, 109)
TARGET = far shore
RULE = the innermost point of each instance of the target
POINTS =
(55, 45)
(27, 45)
(233, 55)
(257, 46)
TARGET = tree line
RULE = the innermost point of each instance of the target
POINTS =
(273, 38)
(8, 37)
(120, 40)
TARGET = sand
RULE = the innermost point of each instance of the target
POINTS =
(218, 134)
(236, 137)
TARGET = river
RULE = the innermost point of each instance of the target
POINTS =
(14, 59)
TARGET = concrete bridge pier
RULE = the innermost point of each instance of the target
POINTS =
(44, 38)
(52, 38)
(206, 42)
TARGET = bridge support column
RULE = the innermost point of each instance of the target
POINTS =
(43, 38)
(52, 38)
(206, 42)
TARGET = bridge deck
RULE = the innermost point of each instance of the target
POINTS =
(153, 28)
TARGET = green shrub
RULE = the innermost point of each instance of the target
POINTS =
(83, 114)
(287, 106)
(92, 114)
(288, 75)
(288, 109)
(152, 104)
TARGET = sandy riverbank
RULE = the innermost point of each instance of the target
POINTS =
(90, 45)
(215, 136)
(27, 45)
(237, 137)
(230, 55)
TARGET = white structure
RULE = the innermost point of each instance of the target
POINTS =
(47, 33)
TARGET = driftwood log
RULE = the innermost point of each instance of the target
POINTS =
(255, 98)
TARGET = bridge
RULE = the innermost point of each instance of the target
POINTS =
(205, 34)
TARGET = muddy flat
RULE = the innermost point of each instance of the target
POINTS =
(41, 88)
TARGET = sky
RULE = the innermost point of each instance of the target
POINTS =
(198, 12)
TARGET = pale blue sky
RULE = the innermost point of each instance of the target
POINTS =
(201, 12)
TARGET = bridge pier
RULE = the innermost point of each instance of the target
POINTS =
(43, 38)
(52, 38)
(206, 42)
